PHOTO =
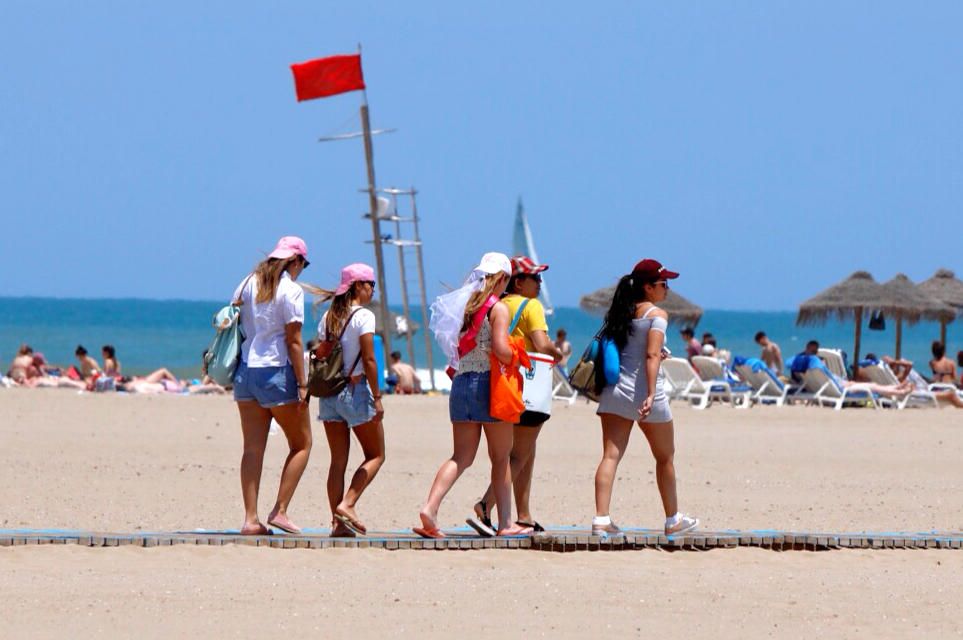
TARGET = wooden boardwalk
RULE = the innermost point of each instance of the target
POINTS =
(557, 540)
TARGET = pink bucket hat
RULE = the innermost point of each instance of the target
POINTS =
(289, 246)
(357, 272)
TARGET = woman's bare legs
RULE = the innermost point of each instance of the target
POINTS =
(371, 437)
(466, 436)
(951, 396)
(500, 437)
(522, 461)
(296, 425)
(661, 437)
(160, 374)
(339, 442)
(255, 422)
(615, 440)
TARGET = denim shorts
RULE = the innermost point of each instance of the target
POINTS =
(470, 397)
(268, 386)
(354, 405)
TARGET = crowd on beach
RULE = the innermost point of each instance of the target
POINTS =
(30, 369)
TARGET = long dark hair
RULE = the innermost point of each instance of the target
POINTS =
(618, 320)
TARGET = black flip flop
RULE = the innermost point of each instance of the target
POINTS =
(534, 525)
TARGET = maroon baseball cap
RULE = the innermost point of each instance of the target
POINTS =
(653, 270)
(527, 266)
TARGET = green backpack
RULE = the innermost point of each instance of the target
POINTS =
(326, 372)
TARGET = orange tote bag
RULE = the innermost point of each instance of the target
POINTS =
(507, 383)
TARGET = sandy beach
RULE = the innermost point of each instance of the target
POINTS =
(127, 463)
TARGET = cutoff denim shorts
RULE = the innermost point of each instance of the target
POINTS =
(268, 386)
(470, 397)
(354, 405)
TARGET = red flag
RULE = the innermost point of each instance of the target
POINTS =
(327, 76)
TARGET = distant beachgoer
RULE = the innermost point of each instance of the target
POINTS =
(531, 326)
(692, 346)
(357, 408)
(21, 364)
(771, 353)
(468, 340)
(406, 378)
(944, 369)
(565, 347)
(637, 327)
(270, 379)
(800, 362)
(111, 363)
(959, 361)
(88, 366)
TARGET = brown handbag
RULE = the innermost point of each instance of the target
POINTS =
(326, 372)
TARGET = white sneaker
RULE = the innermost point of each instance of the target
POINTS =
(607, 530)
(684, 525)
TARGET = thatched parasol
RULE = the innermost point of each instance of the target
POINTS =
(903, 300)
(944, 286)
(680, 310)
(845, 300)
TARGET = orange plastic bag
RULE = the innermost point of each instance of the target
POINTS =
(507, 383)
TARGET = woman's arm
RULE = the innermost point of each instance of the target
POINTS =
(292, 338)
(544, 345)
(653, 358)
(370, 363)
(498, 317)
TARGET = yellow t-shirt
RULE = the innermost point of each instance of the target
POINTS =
(532, 318)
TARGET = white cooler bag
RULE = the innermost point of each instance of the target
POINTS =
(537, 389)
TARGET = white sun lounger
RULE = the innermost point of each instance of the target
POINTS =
(882, 374)
(834, 362)
(825, 390)
(561, 389)
(767, 387)
(688, 385)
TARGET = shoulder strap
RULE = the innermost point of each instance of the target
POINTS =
(240, 298)
(346, 323)
(518, 315)
(646, 314)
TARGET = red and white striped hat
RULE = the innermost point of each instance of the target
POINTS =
(525, 265)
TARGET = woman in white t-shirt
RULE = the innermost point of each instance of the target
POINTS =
(270, 378)
(357, 407)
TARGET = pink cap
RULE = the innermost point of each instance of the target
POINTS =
(357, 272)
(289, 246)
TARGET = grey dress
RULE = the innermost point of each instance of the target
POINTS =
(625, 397)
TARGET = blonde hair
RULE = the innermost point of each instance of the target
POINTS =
(268, 274)
(339, 310)
(477, 299)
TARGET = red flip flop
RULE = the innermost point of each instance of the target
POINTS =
(428, 532)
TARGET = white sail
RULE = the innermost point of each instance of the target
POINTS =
(522, 245)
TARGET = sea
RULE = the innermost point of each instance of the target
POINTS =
(149, 334)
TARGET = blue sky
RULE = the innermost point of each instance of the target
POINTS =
(763, 149)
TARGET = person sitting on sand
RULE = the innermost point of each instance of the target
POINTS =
(771, 353)
(944, 369)
(406, 378)
(88, 366)
(21, 364)
(111, 363)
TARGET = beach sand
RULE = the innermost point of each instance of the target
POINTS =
(125, 463)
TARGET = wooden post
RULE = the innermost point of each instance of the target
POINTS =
(859, 334)
(421, 284)
(942, 331)
(376, 230)
(899, 337)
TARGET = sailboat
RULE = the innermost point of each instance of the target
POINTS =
(522, 245)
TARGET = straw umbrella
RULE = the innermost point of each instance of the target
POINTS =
(903, 300)
(679, 309)
(945, 286)
(844, 300)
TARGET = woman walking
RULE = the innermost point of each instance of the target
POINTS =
(637, 328)
(357, 408)
(270, 381)
(528, 322)
(469, 324)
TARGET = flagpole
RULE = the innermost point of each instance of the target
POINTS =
(375, 223)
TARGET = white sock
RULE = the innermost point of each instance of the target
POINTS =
(674, 520)
(602, 520)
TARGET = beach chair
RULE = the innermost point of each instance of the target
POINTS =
(882, 374)
(689, 386)
(561, 389)
(712, 371)
(826, 390)
(834, 362)
(767, 387)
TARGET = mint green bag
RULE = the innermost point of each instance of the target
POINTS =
(221, 358)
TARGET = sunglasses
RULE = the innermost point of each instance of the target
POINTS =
(664, 283)
(536, 277)
(304, 262)
(371, 282)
